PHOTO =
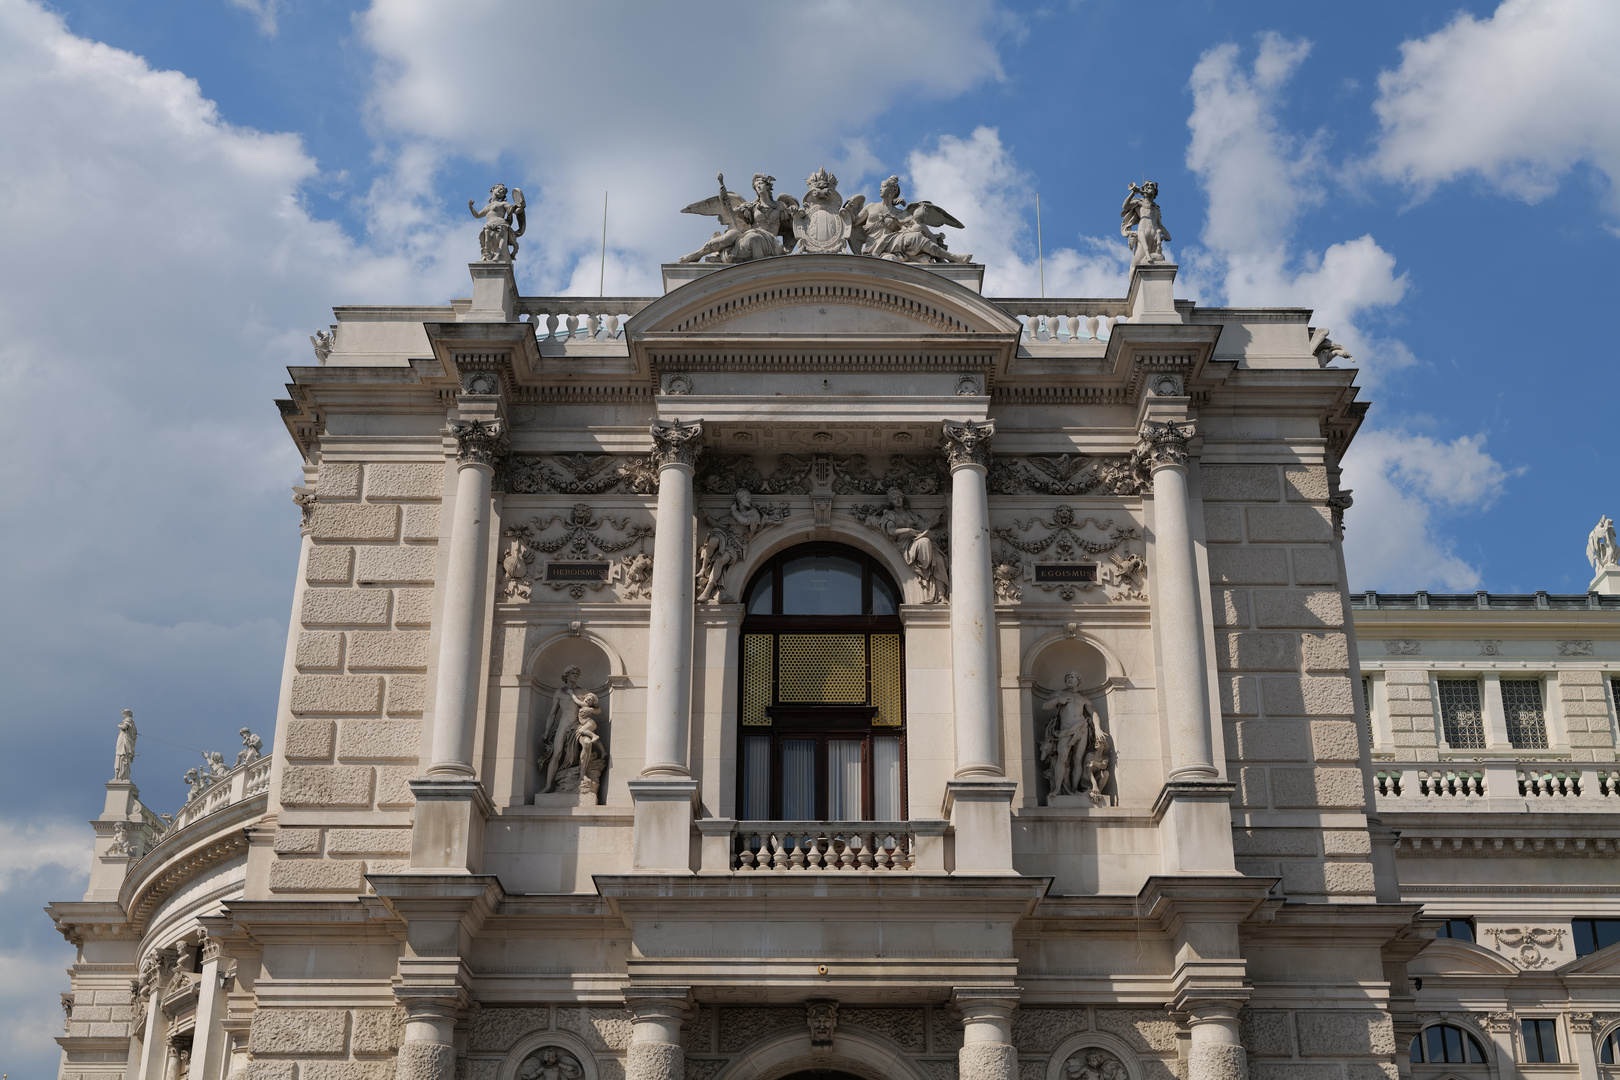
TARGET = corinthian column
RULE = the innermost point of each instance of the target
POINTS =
(479, 445)
(676, 447)
(656, 1015)
(987, 1048)
(973, 612)
(1181, 625)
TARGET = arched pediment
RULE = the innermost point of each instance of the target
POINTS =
(1603, 962)
(1447, 956)
(841, 296)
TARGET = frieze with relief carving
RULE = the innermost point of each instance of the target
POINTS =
(1063, 474)
(727, 473)
(581, 474)
(1066, 539)
(1529, 946)
(581, 537)
(910, 474)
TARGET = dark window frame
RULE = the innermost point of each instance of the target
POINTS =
(1594, 935)
(1540, 1037)
(1467, 1044)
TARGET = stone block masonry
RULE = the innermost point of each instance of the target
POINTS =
(359, 690)
(1283, 656)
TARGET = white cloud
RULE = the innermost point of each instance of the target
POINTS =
(653, 111)
(264, 13)
(1402, 483)
(1517, 98)
(977, 180)
(27, 847)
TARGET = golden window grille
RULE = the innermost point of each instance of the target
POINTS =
(756, 692)
(822, 668)
(887, 661)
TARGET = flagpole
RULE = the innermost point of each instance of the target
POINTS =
(1040, 248)
(601, 277)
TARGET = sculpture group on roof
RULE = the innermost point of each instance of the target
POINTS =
(823, 223)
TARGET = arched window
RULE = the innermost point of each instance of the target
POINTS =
(1609, 1053)
(1444, 1043)
(822, 694)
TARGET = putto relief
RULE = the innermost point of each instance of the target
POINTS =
(576, 552)
(1067, 556)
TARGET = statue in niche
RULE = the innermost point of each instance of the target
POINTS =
(504, 222)
(911, 534)
(728, 541)
(570, 747)
(750, 230)
(1070, 748)
(550, 1063)
(124, 752)
(1141, 213)
(895, 230)
(1601, 551)
(1094, 1064)
(252, 748)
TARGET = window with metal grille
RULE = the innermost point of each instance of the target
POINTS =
(1460, 717)
(1541, 1040)
(822, 695)
(1526, 724)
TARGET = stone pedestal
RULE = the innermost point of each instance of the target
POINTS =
(1195, 824)
(987, 1048)
(657, 1013)
(980, 812)
(448, 820)
(1607, 582)
(495, 293)
(663, 829)
(1151, 296)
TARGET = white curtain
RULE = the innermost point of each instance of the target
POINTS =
(756, 777)
(886, 778)
(844, 779)
(798, 779)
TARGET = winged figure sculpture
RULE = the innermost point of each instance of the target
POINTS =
(749, 230)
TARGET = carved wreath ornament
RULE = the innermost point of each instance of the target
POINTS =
(584, 535)
(1069, 538)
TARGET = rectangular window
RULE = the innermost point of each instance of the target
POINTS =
(1541, 1040)
(1526, 724)
(886, 778)
(844, 779)
(756, 777)
(1460, 717)
(1457, 929)
(1594, 934)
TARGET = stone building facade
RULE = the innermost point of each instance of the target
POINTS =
(819, 666)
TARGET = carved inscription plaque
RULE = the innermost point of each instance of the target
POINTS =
(1065, 572)
(576, 571)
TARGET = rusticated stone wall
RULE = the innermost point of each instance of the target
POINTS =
(324, 1044)
(1292, 742)
(1586, 715)
(362, 656)
(1318, 1044)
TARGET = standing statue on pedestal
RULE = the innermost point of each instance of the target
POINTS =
(1142, 213)
(124, 752)
(750, 230)
(1601, 550)
(252, 749)
(504, 222)
(894, 230)
(1074, 748)
(570, 746)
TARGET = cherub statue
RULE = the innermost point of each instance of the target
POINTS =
(728, 540)
(894, 230)
(557, 749)
(910, 533)
(214, 764)
(590, 743)
(323, 342)
(252, 748)
(1096, 763)
(1123, 575)
(196, 781)
(637, 571)
(504, 222)
(1004, 575)
(750, 230)
(1142, 213)
(551, 1063)
(122, 840)
(124, 752)
(1067, 738)
(1601, 550)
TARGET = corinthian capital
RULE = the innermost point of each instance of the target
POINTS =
(675, 443)
(967, 443)
(479, 442)
(1165, 444)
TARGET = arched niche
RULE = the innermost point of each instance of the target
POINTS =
(853, 1052)
(553, 712)
(1100, 675)
(1057, 1067)
(512, 1066)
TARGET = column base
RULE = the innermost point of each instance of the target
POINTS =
(1195, 821)
(980, 812)
(663, 831)
(448, 825)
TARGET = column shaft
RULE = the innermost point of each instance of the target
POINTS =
(669, 645)
(428, 1051)
(657, 1013)
(975, 677)
(1181, 624)
(461, 634)
(1217, 1051)
(987, 1048)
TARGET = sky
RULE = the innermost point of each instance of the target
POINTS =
(186, 189)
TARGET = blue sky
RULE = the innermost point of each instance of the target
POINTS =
(188, 189)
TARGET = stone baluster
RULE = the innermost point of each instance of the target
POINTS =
(479, 445)
(656, 1015)
(428, 1050)
(987, 1048)
(1216, 1052)
(1180, 622)
(974, 674)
